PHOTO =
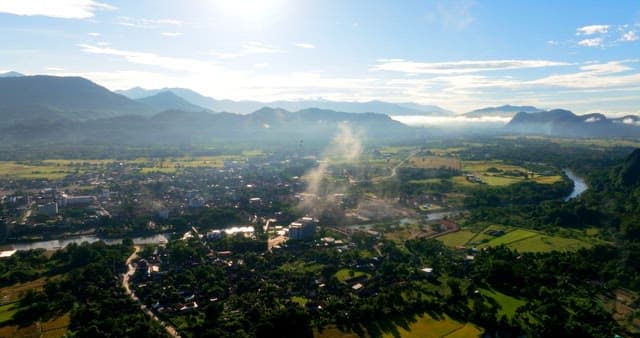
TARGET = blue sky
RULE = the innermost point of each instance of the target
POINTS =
(459, 54)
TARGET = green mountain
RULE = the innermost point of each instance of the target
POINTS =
(167, 100)
(50, 97)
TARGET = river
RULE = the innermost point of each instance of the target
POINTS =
(61, 243)
(579, 185)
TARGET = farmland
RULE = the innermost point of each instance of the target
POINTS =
(427, 327)
(522, 240)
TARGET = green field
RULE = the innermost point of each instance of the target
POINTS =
(522, 240)
(58, 169)
(543, 243)
(500, 178)
(346, 274)
(10, 169)
(299, 300)
(427, 327)
(6, 312)
(510, 237)
(457, 238)
(508, 304)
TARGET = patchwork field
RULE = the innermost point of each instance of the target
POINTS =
(497, 173)
(522, 240)
(58, 169)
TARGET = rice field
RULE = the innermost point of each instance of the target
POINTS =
(522, 240)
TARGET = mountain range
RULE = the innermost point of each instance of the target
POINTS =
(560, 122)
(247, 106)
(40, 109)
(502, 111)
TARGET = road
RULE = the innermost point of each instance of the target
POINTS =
(394, 170)
(125, 284)
(276, 241)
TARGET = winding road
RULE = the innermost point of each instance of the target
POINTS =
(125, 284)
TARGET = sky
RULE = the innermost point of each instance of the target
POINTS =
(457, 54)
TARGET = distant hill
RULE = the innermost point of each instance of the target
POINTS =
(559, 122)
(51, 97)
(502, 111)
(169, 101)
(11, 74)
(247, 106)
(265, 126)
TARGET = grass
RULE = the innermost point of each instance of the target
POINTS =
(345, 274)
(479, 168)
(456, 238)
(510, 237)
(508, 304)
(468, 330)
(522, 240)
(543, 243)
(427, 327)
(11, 169)
(56, 169)
(6, 312)
(299, 300)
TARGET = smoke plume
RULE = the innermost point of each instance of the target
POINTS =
(345, 147)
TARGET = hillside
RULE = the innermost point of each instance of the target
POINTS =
(169, 101)
(49, 97)
(266, 126)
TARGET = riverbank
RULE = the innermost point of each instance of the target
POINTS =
(579, 185)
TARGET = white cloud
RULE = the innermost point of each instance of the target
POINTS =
(450, 120)
(595, 42)
(261, 65)
(592, 29)
(93, 34)
(171, 34)
(592, 119)
(629, 36)
(305, 45)
(151, 59)
(247, 49)
(146, 23)
(54, 69)
(65, 9)
(460, 67)
(606, 68)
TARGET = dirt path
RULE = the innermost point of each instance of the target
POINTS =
(125, 284)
